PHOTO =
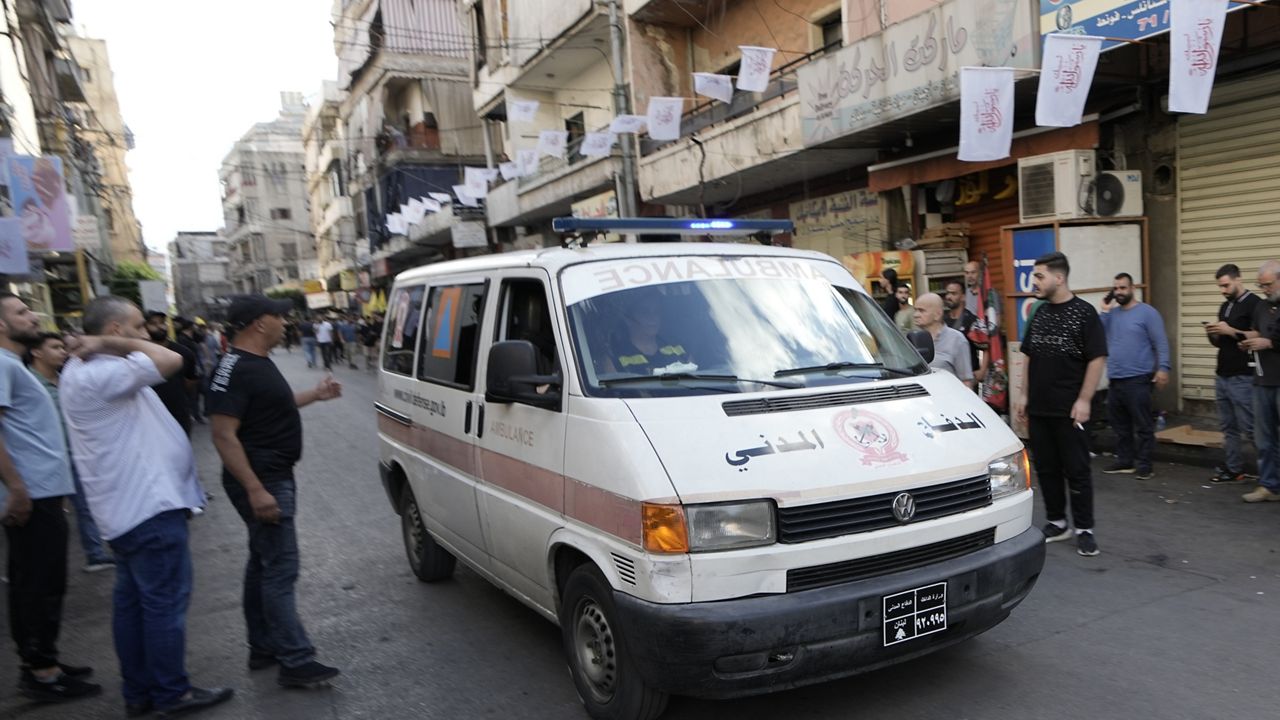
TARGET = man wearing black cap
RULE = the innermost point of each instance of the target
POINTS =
(258, 433)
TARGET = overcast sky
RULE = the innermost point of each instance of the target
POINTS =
(194, 76)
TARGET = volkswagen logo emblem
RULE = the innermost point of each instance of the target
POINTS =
(904, 507)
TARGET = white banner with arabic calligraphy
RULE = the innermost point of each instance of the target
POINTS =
(986, 113)
(663, 117)
(1066, 74)
(1195, 35)
(911, 66)
(753, 71)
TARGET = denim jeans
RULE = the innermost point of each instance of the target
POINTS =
(309, 350)
(1235, 417)
(149, 621)
(95, 551)
(1129, 410)
(270, 575)
(1266, 424)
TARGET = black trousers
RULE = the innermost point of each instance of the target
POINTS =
(37, 582)
(1061, 455)
(1129, 408)
(327, 354)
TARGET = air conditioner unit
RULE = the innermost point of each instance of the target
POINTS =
(1055, 186)
(1118, 193)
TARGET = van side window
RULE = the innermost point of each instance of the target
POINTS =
(404, 320)
(452, 335)
(526, 315)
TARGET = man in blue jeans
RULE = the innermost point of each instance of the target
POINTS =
(1264, 342)
(1137, 359)
(258, 433)
(1233, 381)
(139, 475)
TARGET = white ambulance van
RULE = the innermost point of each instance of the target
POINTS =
(719, 468)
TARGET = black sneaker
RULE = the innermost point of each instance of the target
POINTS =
(261, 660)
(64, 689)
(1086, 545)
(139, 710)
(1144, 474)
(1226, 476)
(1117, 468)
(194, 701)
(309, 675)
(79, 672)
(1053, 533)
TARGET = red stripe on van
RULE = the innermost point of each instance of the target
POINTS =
(608, 512)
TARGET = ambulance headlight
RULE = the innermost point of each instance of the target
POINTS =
(730, 526)
(1010, 474)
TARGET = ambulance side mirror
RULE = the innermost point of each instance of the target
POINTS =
(922, 341)
(513, 376)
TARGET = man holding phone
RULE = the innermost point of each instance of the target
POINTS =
(1233, 384)
(1137, 360)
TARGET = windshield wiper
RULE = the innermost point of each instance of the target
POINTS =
(696, 376)
(844, 365)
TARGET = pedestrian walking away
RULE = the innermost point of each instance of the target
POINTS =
(1263, 341)
(36, 479)
(324, 338)
(115, 419)
(371, 333)
(307, 330)
(1137, 360)
(1066, 349)
(347, 332)
(257, 431)
(46, 358)
(1233, 381)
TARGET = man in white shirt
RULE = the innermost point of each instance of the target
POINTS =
(139, 476)
(324, 338)
(950, 348)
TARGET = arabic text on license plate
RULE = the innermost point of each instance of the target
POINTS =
(915, 613)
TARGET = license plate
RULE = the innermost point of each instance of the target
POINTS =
(915, 613)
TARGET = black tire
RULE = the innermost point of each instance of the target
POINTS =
(430, 562)
(602, 670)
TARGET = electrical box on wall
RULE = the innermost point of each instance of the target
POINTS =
(1056, 186)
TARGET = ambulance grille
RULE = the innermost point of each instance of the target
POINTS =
(879, 565)
(881, 393)
(802, 523)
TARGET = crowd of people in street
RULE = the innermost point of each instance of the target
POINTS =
(78, 413)
(335, 338)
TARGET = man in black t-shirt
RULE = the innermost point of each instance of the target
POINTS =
(175, 392)
(258, 433)
(1233, 384)
(1066, 348)
(1264, 342)
(958, 317)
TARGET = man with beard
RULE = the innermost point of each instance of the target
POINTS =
(1233, 381)
(1137, 358)
(959, 318)
(35, 480)
(1066, 349)
(1264, 342)
(175, 392)
(973, 285)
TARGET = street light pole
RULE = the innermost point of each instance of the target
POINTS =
(622, 106)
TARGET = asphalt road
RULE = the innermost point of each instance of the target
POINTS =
(1176, 619)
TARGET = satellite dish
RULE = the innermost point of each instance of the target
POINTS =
(1110, 194)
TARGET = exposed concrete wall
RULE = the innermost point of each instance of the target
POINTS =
(534, 22)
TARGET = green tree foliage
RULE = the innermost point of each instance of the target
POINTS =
(124, 281)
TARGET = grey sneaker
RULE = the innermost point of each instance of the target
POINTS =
(1261, 494)
(1086, 545)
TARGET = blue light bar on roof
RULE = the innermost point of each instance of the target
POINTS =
(670, 226)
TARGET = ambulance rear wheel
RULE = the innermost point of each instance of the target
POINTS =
(430, 562)
(606, 679)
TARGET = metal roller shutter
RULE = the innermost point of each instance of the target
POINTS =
(1228, 209)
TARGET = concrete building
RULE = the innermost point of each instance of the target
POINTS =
(332, 219)
(570, 74)
(200, 273)
(409, 125)
(104, 129)
(265, 206)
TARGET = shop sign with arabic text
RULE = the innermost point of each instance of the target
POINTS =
(1117, 20)
(911, 66)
